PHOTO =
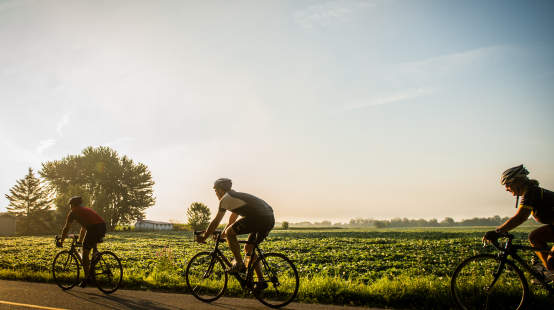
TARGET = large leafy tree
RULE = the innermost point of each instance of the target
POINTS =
(30, 200)
(198, 215)
(115, 186)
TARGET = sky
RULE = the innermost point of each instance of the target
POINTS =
(327, 110)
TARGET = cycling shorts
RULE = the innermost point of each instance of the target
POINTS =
(95, 234)
(257, 227)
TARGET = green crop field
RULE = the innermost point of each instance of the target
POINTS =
(393, 268)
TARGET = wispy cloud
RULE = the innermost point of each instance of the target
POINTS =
(327, 13)
(62, 123)
(396, 97)
(47, 143)
(44, 144)
(410, 80)
(439, 66)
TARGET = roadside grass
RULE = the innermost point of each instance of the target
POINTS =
(403, 292)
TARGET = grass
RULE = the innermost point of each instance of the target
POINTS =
(399, 268)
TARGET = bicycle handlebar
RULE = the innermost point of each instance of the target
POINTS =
(58, 238)
(216, 234)
(200, 232)
(493, 237)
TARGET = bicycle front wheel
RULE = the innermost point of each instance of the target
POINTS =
(487, 282)
(65, 270)
(206, 276)
(281, 278)
(107, 272)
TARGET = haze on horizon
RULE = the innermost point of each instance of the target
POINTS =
(328, 110)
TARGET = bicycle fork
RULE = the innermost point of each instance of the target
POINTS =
(210, 267)
(496, 275)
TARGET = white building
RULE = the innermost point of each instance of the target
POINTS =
(152, 225)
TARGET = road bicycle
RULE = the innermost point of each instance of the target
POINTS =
(489, 281)
(207, 275)
(105, 267)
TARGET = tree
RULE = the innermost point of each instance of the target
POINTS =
(285, 225)
(448, 221)
(117, 188)
(30, 200)
(198, 216)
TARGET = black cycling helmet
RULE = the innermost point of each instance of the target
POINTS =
(513, 173)
(76, 201)
(223, 184)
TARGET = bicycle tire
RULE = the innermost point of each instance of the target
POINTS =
(470, 283)
(281, 276)
(66, 270)
(108, 278)
(200, 267)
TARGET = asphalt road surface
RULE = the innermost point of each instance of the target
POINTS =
(27, 295)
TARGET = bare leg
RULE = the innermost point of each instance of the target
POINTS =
(257, 268)
(550, 260)
(86, 262)
(540, 238)
(234, 244)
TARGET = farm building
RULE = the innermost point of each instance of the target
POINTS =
(7, 224)
(152, 225)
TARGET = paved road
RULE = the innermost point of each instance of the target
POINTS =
(18, 295)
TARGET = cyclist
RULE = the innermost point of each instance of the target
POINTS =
(537, 201)
(93, 229)
(257, 220)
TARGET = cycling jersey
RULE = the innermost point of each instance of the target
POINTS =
(84, 216)
(245, 205)
(541, 202)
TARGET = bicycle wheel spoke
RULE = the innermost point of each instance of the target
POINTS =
(206, 277)
(482, 282)
(65, 270)
(281, 278)
(107, 272)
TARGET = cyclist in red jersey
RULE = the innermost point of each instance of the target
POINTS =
(93, 229)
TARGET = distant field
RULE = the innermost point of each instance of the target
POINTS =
(403, 268)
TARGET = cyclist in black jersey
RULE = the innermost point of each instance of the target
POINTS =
(535, 200)
(257, 220)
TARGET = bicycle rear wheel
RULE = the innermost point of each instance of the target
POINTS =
(107, 272)
(65, 270)
(486, 282)
(281, 277)
(206, 276)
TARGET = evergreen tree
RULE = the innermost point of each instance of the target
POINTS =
(30, 200)
(198, 216)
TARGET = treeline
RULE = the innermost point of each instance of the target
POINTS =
(405, 222)
(116, 187)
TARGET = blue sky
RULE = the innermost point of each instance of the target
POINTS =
(326, 109)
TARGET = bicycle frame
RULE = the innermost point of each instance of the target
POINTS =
(73, 251)
(246, 282)
(511, 250)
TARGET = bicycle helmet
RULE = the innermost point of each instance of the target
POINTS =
(223, 184)
(76, 201)
(515, 172)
